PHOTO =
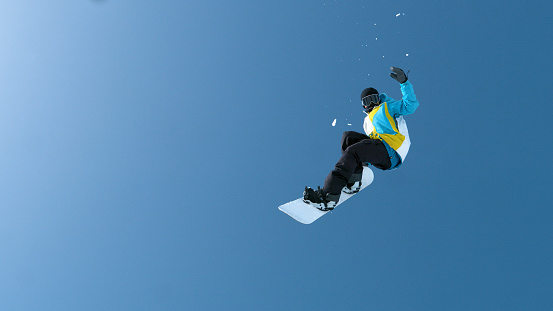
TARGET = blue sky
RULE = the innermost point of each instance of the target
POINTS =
(145, 148)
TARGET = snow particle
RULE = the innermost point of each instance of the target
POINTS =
(407, 54)
(334, 122)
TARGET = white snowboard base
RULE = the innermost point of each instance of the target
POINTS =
(307, 214)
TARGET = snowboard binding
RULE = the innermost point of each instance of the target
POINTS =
(320, 200)
(354, 184)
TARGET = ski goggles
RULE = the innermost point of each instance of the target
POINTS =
(373, 99)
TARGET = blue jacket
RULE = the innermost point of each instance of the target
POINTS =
(387, 124)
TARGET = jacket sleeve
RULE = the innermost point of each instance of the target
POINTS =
(408, 103)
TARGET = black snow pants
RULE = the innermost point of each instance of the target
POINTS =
(357, 148)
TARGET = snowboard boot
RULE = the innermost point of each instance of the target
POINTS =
(320, 200)
(354, 184)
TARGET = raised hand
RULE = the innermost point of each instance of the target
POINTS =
(398, 74)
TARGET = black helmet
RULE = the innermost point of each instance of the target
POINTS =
(370, 99)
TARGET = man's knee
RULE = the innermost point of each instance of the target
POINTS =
(350, 133)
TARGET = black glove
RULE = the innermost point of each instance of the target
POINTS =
(398, 74)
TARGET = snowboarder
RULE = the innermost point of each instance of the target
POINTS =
(385, 146)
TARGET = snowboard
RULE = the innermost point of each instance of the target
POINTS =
(307, 214)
